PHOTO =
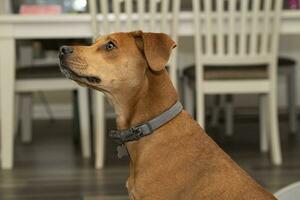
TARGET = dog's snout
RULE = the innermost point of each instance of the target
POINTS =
(66, 50)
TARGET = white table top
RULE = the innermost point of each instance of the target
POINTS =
(78, 25)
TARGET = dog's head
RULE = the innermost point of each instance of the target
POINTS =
(118, 61)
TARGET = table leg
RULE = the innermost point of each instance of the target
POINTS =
(7, 81)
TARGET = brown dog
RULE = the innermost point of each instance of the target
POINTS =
(177, 161)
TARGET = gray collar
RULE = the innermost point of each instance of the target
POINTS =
(137, 132)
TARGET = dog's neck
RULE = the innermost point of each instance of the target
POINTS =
(156, 95)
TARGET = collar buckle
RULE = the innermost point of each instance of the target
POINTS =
(136, 133)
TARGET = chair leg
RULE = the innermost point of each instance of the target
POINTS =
(188, 96)
(276, 155)
(17, 110)
(228, 115)
(26, 118)
(263, 125)
(99, 129)
(216, 111)
(292, 99)
(200, 107)
(84, 118)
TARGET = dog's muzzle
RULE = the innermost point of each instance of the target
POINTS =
(64, 53)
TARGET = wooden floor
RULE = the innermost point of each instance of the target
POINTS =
(51, 168)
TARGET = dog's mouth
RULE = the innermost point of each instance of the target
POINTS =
(70, 74)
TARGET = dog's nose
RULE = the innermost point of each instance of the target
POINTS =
(65, 50)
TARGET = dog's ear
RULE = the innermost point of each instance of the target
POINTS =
(156, 47)
(138, 36)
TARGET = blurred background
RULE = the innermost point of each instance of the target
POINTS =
(54, 134)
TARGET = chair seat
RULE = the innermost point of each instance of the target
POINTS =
(37, 72)
(226, 72)
(237, 72)
(286, 62)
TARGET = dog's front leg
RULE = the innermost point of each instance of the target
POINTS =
(130, 190)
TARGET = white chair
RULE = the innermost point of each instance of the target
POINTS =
(130, 15)
(35, 79)
(236, 48)
(286, 67)
(290, 192)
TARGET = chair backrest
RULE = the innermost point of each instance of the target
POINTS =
(236, 31)
(145, 15)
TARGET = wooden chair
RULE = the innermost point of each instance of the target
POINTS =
(131, 15)
(49, 78)
(236, 48)
(286, 67)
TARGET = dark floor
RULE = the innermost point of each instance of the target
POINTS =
(51, 167)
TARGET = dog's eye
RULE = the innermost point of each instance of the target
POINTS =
(110, 45)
